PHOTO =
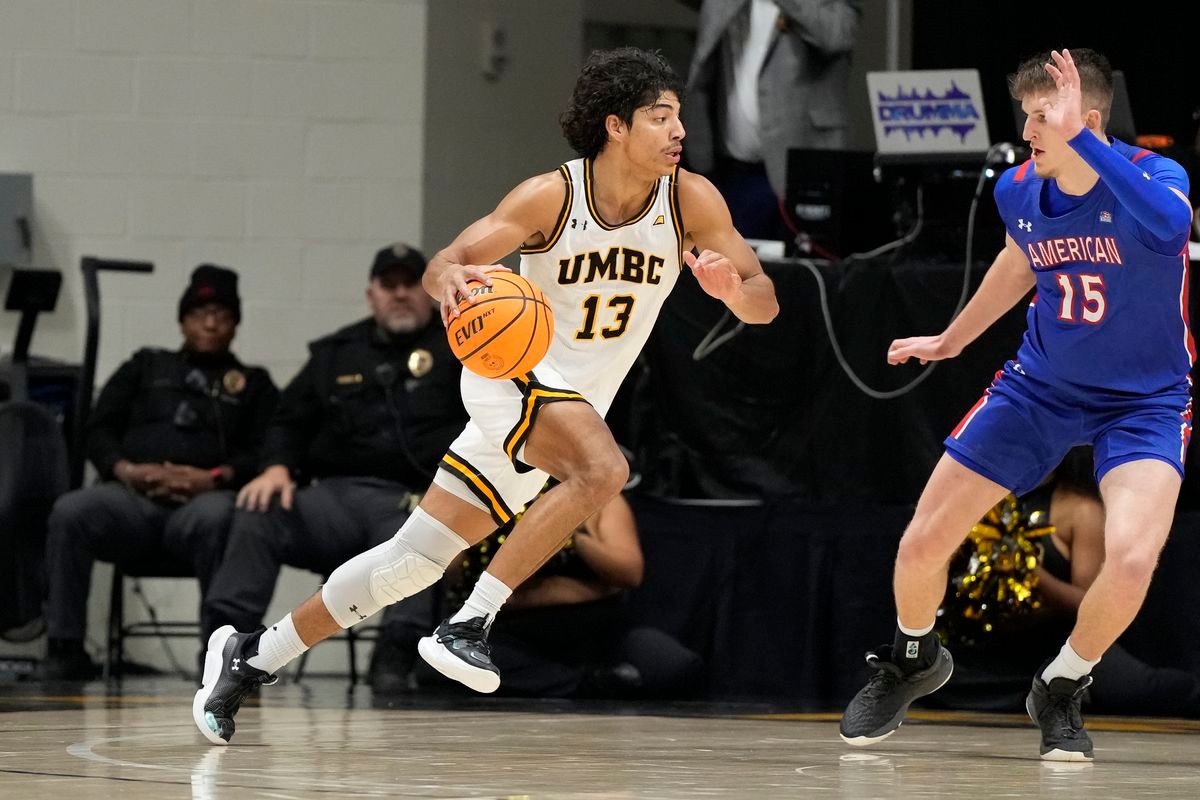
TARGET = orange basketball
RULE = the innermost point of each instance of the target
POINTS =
(506, 331)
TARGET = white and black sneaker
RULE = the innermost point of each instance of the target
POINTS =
(225, 682)
(459, 650)
(879, 708)
(1054, 708)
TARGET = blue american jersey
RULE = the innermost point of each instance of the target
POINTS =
(1110, 312)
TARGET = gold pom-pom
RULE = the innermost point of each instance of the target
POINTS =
(993, 576)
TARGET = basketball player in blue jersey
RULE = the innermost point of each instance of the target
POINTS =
(1100, 229)
(605, 237)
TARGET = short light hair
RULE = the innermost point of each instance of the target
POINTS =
(1095, 78)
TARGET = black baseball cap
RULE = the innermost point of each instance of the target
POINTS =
(398, 257)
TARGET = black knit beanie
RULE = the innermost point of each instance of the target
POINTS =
(211, 284)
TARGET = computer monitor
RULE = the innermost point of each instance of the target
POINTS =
(834, 201)
(1120, 118)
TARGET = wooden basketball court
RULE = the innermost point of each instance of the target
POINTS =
(312, 741)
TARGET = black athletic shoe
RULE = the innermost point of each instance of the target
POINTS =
(226, 681)
(391, 666)
(68, 666)
(1054, 708)
(879, 708)
(459, 650)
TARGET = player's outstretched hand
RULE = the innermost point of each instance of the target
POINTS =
(1064, 110)
(715, 273)
(922, 348)
(454, 286)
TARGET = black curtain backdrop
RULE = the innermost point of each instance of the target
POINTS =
(770, 413)
(1154, 46)
(783, 600)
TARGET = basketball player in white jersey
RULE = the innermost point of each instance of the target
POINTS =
(605, 236)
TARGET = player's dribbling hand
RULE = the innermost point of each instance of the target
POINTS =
(454, 286)
(922, 348)
(715, 273)
(1064, 111)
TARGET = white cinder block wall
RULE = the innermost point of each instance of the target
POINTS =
(282, 138)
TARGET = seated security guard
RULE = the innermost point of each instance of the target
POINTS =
(366, 421)
(172, 434)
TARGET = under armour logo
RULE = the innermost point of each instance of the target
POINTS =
(235, 667)
(1025, 226)
(354, 609)
(911, 650)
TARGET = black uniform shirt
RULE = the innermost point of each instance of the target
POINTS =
(370, 403)
(186, 408)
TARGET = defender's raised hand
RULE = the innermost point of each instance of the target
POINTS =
(1064, 111)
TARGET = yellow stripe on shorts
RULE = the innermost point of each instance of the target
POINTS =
(480, 486)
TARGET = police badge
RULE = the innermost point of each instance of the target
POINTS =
(420, 361)
(234, 381)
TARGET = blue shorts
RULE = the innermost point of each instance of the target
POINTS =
(1022, 427)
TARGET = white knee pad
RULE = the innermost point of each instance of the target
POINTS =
(392, 571)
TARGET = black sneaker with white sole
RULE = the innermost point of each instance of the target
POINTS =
(1054, 708)
(226, 681)
(879, 708)
(459, 650)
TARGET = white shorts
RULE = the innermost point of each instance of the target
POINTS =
(483, 466)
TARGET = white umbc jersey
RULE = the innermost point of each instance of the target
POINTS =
(606, 283)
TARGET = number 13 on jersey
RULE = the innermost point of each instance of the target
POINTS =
(621, 306)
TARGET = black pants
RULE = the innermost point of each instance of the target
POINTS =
(555, 651)
(110, 522)
(997, 678)
(329, 523)
(1124, 684)
(752, 202)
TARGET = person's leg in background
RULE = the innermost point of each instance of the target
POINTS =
(1124, 684)
(241, 587)
(316, 534)
(196, 533)
(753, 204)
(108, 522)
(381, 507)
(665, 667)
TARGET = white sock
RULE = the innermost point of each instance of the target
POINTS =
(1068, 664)
(913, 632)
(486, 599)
(278, 645)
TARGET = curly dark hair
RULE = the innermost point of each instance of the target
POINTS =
(617, 82)
(1095, 79)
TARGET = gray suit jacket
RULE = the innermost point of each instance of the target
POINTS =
(802, 89)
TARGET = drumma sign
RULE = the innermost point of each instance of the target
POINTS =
(928, 111)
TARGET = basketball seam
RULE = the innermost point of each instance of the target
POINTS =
(532, 333)
(525, 299)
